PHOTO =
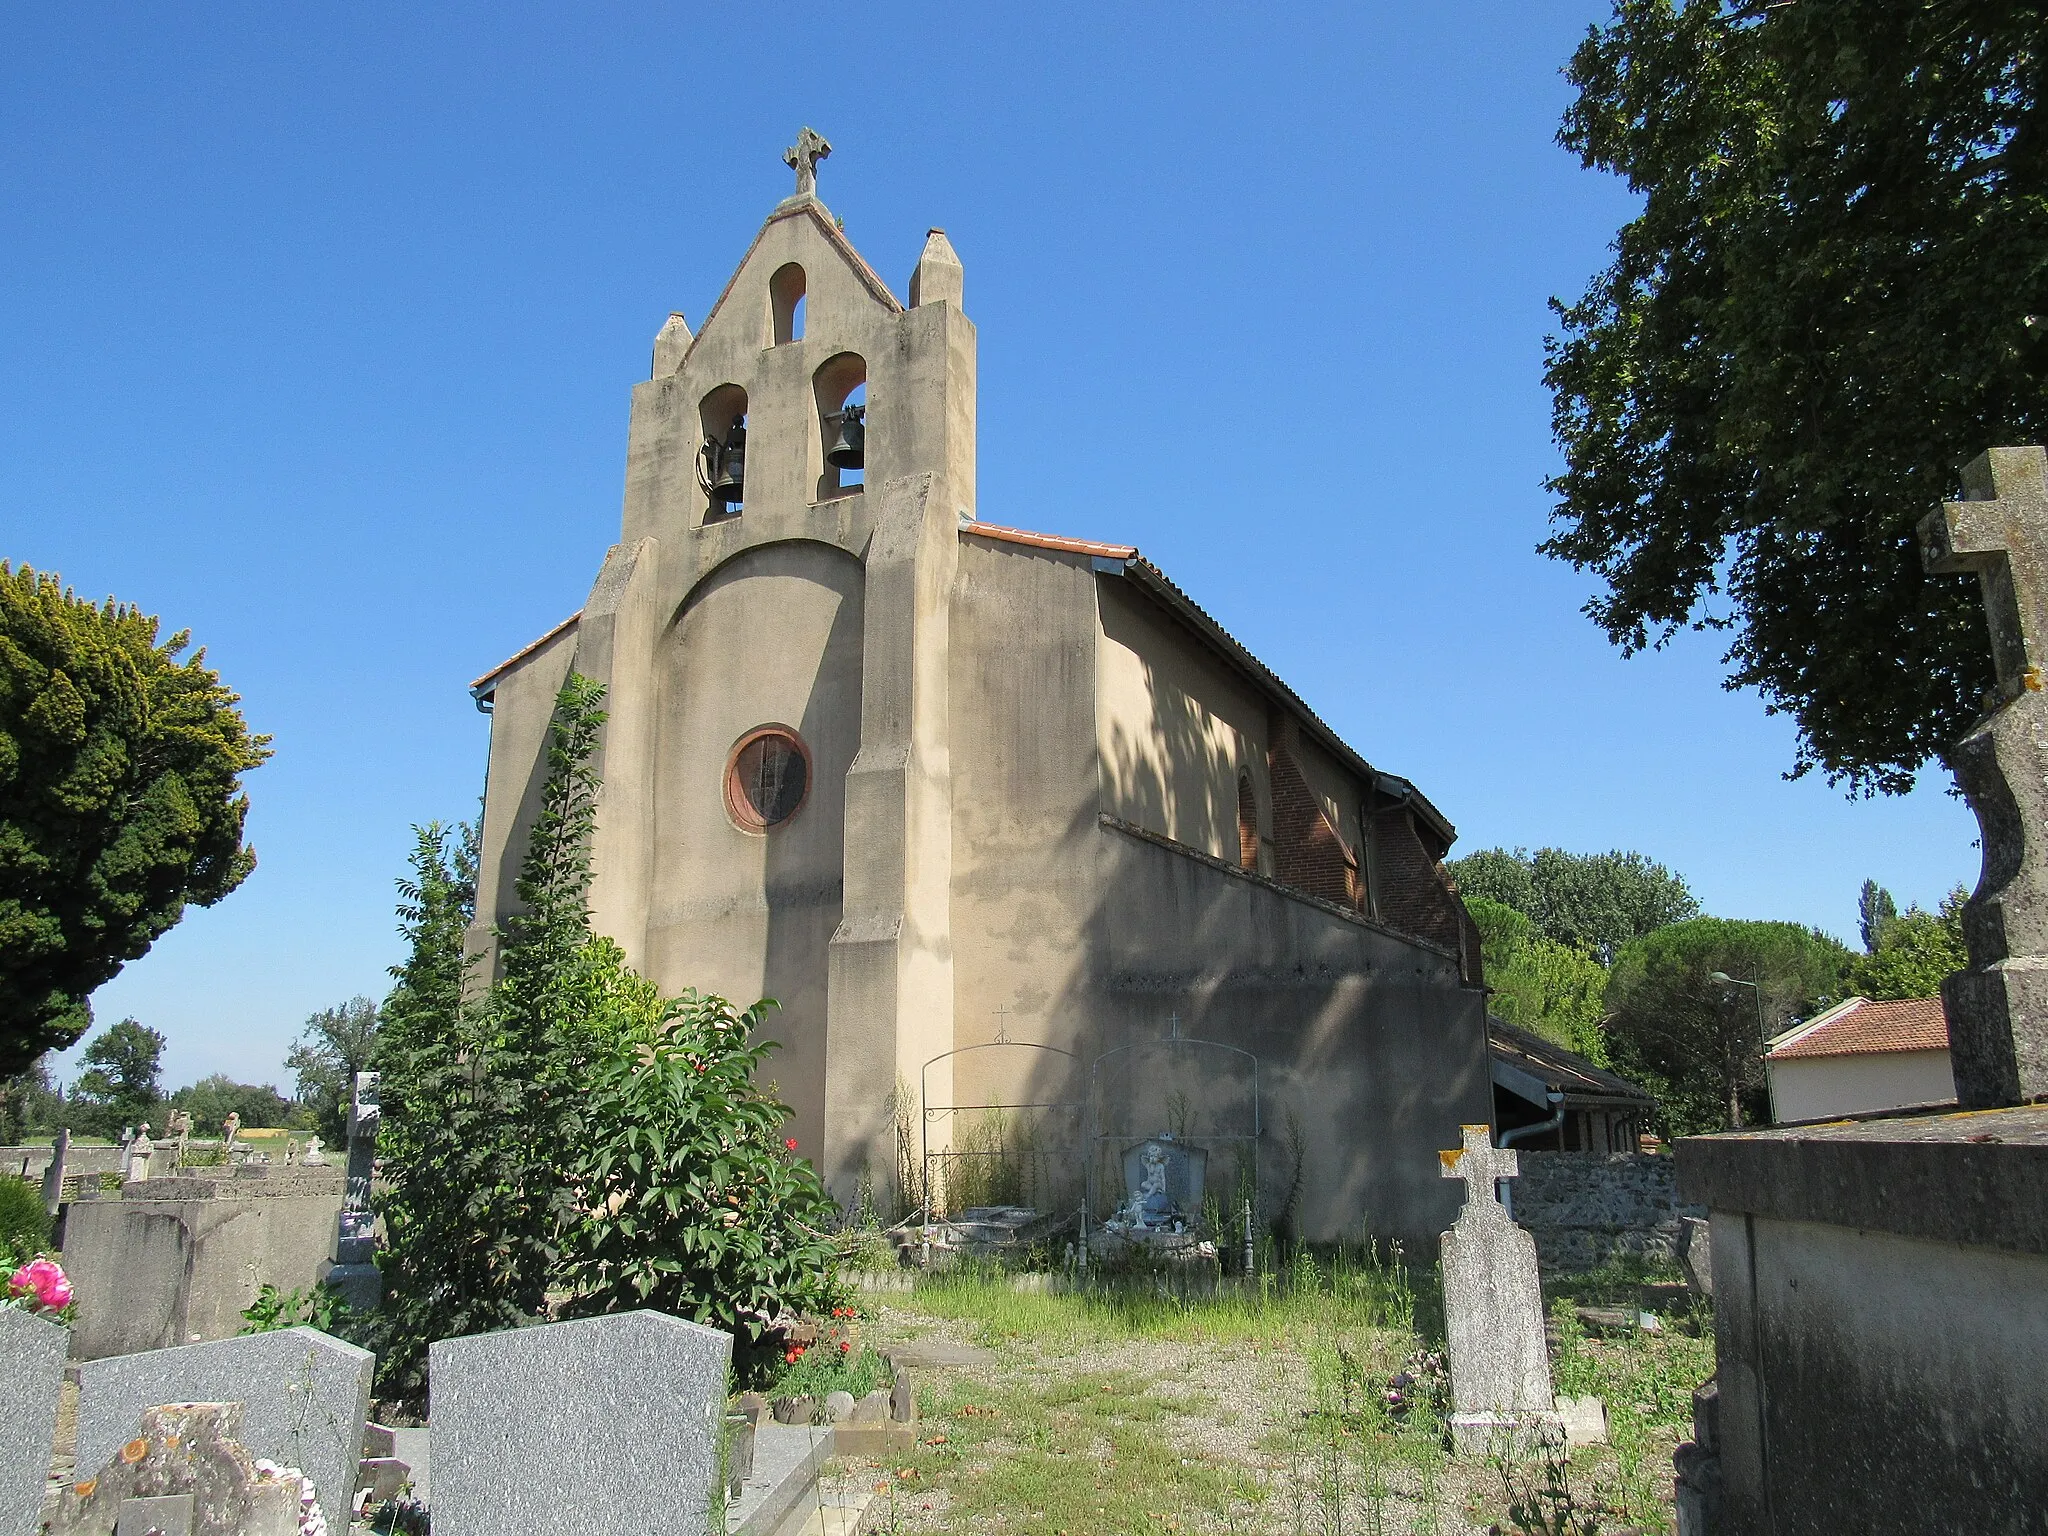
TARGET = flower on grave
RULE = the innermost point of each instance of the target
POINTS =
(39, 1285)
(845, 1348)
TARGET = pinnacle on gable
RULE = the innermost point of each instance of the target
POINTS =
(939, 277)
(670, 343)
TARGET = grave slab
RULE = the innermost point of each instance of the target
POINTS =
(607, 1426)
(305, 1399)
(32, 1352)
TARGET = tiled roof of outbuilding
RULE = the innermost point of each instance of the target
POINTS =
(1860, 1027)
(1566, 1071)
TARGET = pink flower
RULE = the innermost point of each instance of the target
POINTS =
(46, 1278)
(789, 1142)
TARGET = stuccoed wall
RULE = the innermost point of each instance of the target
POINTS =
(1584, 1208)
(175, 1261)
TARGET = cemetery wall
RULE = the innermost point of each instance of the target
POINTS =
(1584, 1208)
(33, 1162)
(175, 1261)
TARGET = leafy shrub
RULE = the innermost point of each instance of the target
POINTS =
(316, 1306)
(24, 1224)
(689, 1199)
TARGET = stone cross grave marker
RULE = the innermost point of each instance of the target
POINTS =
(32, 1352)
(1493, 1309)
(1998, 1008)
(606, 1426)
(355, 1273)
(305, 1399)
(803, 157)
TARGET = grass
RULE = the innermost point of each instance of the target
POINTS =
(1145, 1404)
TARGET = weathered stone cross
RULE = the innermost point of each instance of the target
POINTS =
(1480, 1164)
(803, 157)
(2000, 531)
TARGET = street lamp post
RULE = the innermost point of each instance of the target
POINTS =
(1763, 1037)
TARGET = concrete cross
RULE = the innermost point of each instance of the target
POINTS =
(803, 157)
(2000, 531)
(1479, 1163)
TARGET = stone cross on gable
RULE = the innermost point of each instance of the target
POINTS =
(2000, 531)
(1480, 1164)
(803, 157)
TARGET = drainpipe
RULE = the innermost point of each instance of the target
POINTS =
(1539, 1128)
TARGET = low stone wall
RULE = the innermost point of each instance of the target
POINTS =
(1583, 1208)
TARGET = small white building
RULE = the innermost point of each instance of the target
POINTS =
(1860, 1056)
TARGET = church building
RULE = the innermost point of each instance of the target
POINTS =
(1031, 852)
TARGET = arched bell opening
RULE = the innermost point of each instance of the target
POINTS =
(841, 388)
(722, 460)
(786, 300)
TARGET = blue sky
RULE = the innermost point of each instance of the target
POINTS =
(317, 327)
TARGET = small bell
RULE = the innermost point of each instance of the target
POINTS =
(849, 445)
(729, 484)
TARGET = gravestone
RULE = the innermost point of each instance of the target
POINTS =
(1163, 1182)
(53, 1175)
(1998, 1008)
(355, 1272)
(606, 1426)
(305, 1399)
(32, 1352)
(1493, 1310)
(185, 1470)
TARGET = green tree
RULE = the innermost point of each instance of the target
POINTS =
(1915, 953)
(1874, 909)
(1594, 902)
(543, 1030)
(28, 1103)
(688, 1200)
(118, 1087)
(1697, 1042)
(334, 1046)
(120, 800)
(1832, 297)
(1552, 988)
(212, 1099)
(441, 1129)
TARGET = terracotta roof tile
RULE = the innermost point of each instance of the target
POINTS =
(1051, 541)
(1861, 1027)
(522, 653)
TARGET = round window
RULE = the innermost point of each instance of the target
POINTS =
(767, 778)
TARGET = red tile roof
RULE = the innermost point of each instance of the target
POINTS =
(1860, 1027)
(1051, 541)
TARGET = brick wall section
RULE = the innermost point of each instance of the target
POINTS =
(1583, 1208)
(1307, 852)
(1416, 896)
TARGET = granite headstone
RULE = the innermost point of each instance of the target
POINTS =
(627, 1444)
(305, 1399)
(1493, 1311)
(32, 1352)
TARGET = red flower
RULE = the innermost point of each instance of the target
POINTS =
(845, 1348)
(789, 1142)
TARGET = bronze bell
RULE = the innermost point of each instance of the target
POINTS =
(729, 484)
(849, 445)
